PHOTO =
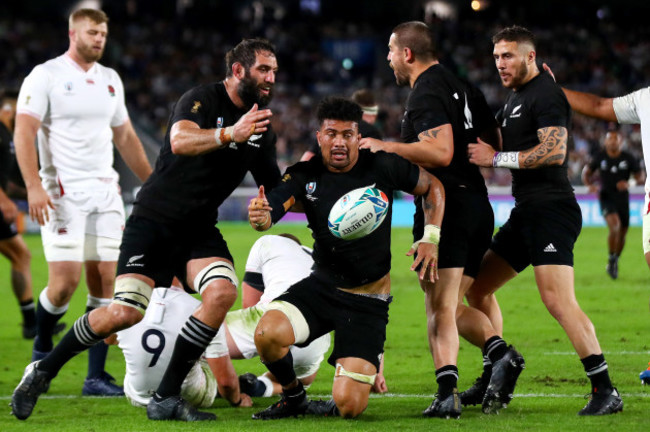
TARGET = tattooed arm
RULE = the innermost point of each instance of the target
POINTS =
(435, 147)
(551, 150)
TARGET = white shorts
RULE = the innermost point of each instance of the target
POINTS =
(241, 325)
(84, 226)
(646, 225)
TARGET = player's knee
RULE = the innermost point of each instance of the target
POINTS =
(350, 404)
(273, 330)
(122, 316)
(219, 293)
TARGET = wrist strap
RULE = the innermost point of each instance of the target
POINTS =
(506, 160)
(224, 136)
(431, 235)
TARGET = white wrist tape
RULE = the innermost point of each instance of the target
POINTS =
(431, 235)
(506, 160)
(224, 136)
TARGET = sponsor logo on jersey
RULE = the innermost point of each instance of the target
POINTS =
(233, 145)
(62, 231)
(196, 107)
(254, 138)
(111, 90)
(515, 113)
(310, 187)
(132, 261)
(219, 122)
(550, 248)
(286, 178)
(68, 86)
(89, 81)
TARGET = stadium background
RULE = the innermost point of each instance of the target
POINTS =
(161, 48)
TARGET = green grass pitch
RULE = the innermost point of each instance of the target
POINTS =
(549, 394)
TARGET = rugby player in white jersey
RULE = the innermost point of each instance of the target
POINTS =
(76, 109)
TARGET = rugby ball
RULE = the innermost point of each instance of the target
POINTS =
(358, 213)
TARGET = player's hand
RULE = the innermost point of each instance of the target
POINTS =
(480, 153)
(427, 259)
(259, 211)
(9, 209)
(254, 121)
(622, 185)
(39, 201)
(549, 71)
(246, 401)
(380, 384)
(372, 144)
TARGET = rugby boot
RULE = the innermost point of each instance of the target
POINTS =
(104, 385)
(176, 408)
(324, 408)
(602, 404)
(474, 395)
(505, 373)
(448, 408)
(287, 406)
(34, 383)
(645, 376)
(29, 332)
(249, 384)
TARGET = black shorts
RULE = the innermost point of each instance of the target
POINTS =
(619, 204)
(161, 251)
(466, 231)
(541, 233)
(359, 322)
(7, 231)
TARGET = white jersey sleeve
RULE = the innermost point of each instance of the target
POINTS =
(121, 114)
(33, 97)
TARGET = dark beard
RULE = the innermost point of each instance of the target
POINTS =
(250, 93)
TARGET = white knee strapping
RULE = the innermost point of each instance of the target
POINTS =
(646, 233)
(48, 306)
(97, 302)
(215, 270)
(297, 320)
(132, 292)
(366, 379)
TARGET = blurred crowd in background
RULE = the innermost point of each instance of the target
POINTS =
(162, 52)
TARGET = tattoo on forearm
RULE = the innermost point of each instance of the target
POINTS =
(431, 133)
(551, 150)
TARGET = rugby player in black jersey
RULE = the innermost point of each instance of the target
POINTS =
(349, 288)
(443, 115)
(546, 220)
(615, 167)
(217, 133)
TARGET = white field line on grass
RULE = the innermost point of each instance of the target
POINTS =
(566, 353)
(644, 395)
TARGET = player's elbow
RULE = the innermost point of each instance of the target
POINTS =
(178, 147)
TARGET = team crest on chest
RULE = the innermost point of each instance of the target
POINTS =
(111, 90)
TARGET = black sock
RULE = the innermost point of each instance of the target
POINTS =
(598, 373)
(190, 344)
(96, 356)
(45, 323)
(487, 368)
(282, 369)
(495, 348)
(447, 378)
(296, 394)
(79, 338)
(28, 310)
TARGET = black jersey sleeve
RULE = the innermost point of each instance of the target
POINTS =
(255, 280)
(192, 106)
(551, 108)
(426, 111)
(482, 116)
(265, 169)
(399, 172)
(285, 195)
(594, 163)
(635, 167)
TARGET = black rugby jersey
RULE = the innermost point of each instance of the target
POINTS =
(438, 97)
(345, 263)
(193, 187)
(537, 104)
(612, 170)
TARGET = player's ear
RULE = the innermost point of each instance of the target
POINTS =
(238, 70)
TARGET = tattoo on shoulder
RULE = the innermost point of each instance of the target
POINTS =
(551, 150)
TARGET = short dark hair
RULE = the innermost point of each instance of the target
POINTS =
(515, 34)
(338, 108)
(364, 97)
(418, 37)
(245, 51)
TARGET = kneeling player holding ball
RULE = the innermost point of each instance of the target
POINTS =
(348, 290)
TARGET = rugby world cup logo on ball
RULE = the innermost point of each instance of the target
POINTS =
(358, 213)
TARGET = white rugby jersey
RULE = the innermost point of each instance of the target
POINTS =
(77, 110)
(634, 108)
(148, 345)
(281, 261)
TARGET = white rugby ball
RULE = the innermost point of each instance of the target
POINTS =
(358, 213)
